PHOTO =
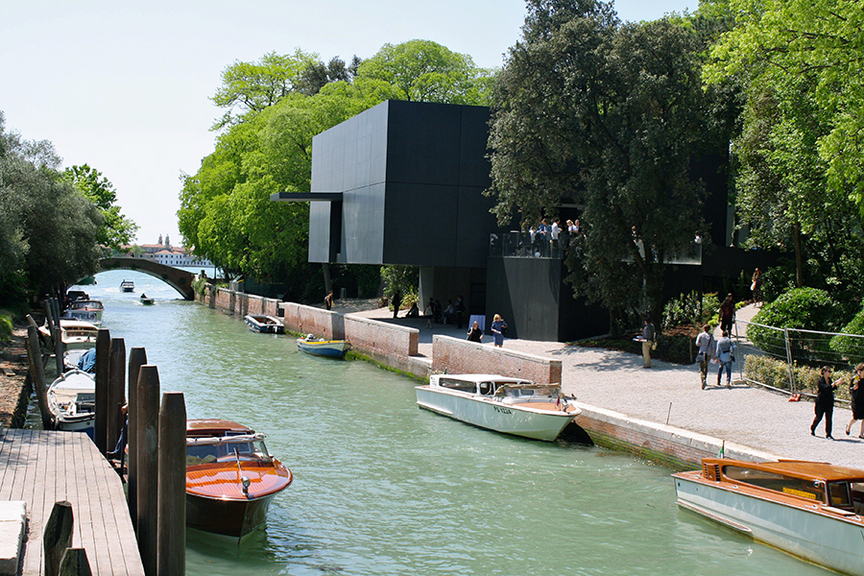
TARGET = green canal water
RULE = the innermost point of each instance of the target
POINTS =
(381, 487)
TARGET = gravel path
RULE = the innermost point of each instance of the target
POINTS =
(671, 393)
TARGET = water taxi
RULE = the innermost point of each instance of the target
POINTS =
(75, 334)
(230, 477)
(809, 509)
(86, 310)
(509, 405)
(127, 286)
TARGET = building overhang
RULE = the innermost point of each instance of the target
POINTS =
(306, 197)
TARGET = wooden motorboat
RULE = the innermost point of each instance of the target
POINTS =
(146, 301)
(809, 509)
(509, 405)
(264, 324)
(230, 477)
(86, 310)
(71, 399)
(127, 286)
(75, 333)
(321, 347)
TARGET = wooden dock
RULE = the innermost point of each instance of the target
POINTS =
(43, 467)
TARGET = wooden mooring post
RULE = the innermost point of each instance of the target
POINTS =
(137, 358)
(37, 374)
(171, 552)
(103, 371)
(146, 434)
(116, 391)
(59, 349)
(57, 536)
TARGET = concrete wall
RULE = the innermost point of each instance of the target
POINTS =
(461, 356)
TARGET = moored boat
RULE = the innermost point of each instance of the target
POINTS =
(808, 509)
(264, 324)
(71, 399)
(127, 286)
(74, 333)
(509, 405)
(230, 477)
(86, 310)
(321, 347)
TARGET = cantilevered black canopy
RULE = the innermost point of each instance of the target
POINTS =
(306, 197)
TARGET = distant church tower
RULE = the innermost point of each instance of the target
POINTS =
(160, 240)
(167, 242)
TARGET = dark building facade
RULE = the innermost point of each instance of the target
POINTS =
(403, 182)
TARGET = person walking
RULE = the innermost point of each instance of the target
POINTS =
(825, 402)
(856, 393)
(725, 354)
(328, 300)
(498, 327)
(756, 287)
(647, 341)
(727, 314)
(705, 351)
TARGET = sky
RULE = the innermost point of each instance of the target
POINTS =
(125, 86)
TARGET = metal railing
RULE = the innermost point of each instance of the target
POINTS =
(517, 244)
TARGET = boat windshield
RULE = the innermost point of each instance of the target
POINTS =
(810, 489)
(206, 450)
(524, 391)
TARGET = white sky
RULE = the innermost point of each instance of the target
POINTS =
(124, 86)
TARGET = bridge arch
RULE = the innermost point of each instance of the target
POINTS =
(180, 280)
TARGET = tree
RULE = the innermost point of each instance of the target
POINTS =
(117, 230)
(799, 149)
(607, 115)
(48, 231)
(424, 71)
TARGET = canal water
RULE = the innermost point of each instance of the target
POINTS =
(381, 487)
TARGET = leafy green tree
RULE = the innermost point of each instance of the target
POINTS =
(424, 71)
(117, 230)
(48, 231)
(607, 115)
(800, 163)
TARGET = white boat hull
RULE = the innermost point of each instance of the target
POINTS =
(495, 415)
(71, 398)
(821, 537)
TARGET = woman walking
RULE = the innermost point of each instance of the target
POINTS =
(856, 393)
(498, 327)
(825, 401)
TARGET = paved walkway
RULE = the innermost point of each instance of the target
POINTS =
(671, 393)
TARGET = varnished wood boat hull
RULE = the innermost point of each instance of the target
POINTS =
(235, 518)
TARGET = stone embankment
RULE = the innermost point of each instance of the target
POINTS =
(661, 413)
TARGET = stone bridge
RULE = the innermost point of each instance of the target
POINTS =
(180, 280)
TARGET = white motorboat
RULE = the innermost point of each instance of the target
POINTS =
(263, 323)
(810, 509)
(86, 310)
(509, 405)
(72, 399)
(76, 334)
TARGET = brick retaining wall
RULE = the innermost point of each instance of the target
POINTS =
(461, 356)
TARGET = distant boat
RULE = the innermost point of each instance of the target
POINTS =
(86, 310)
(127, 286)
(230, 477)
(320, 347)
(509, 405)
(265, 324)
(72, 400)
(146, 301)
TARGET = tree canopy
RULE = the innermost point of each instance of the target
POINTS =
(607, 115)
(117, 230)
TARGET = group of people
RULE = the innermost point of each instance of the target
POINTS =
(454, 313)
(498, 329)
(722, 351)
(544, 239)
(824, 406)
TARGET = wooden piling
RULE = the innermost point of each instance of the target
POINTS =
(75, 563)
(172, 485)
(146, 422)
(50, 319)
(59, 349)
(103, 370)
(116, 391)
(57, 536)
(137, 358)
(37, 374)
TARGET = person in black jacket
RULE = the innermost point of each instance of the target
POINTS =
(856, 393)
(825, 401)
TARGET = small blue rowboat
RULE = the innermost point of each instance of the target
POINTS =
(329, 348)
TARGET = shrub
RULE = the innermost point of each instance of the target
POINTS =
(690, 309)
(851, 347)
(775, 373)
(5, 326)
(805, 308)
